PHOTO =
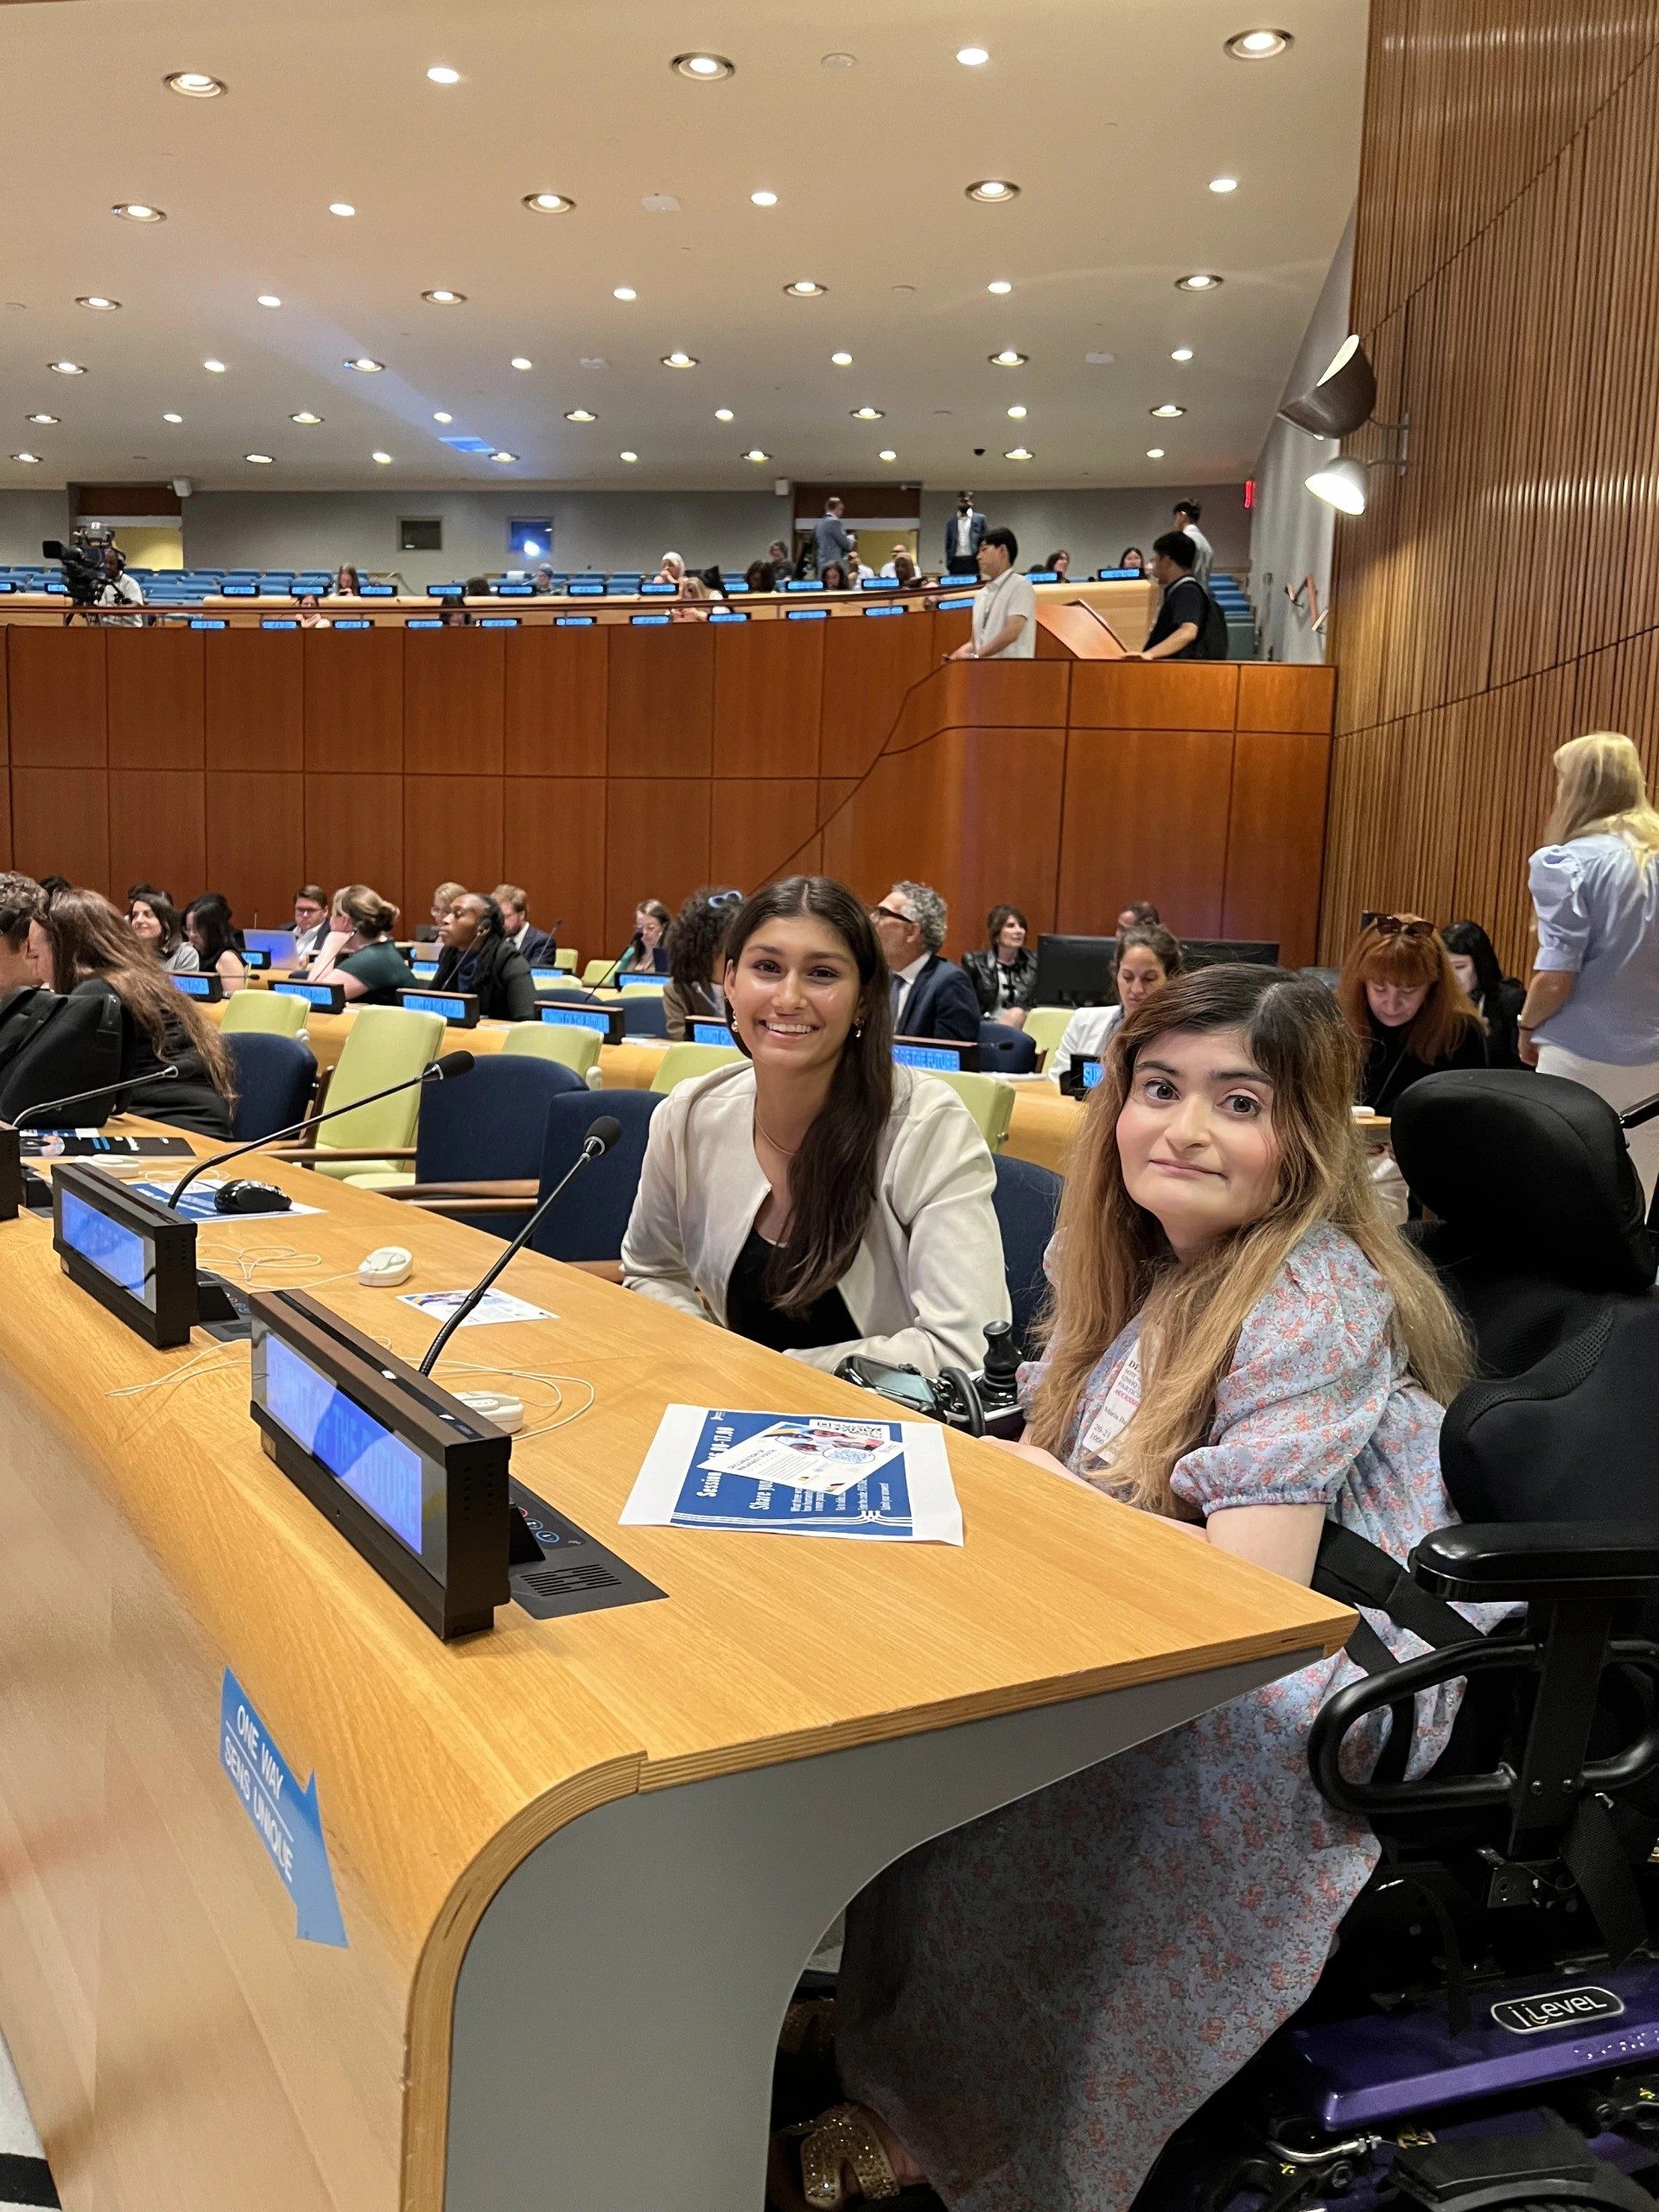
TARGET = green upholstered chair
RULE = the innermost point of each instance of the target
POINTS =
(566, 956)
(264, 1010)
(577, 1049)
(388, 1044)
(989, 1099)
(681, 1062)
(1045, 1026)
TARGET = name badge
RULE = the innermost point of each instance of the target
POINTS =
(1122, 1403)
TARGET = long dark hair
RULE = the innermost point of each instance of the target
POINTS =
(1470, 942)
(694, 941)
(832, 1178)
(171, 921)
(210, 916)
(88, 936)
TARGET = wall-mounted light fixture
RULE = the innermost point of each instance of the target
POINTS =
(1338, 404)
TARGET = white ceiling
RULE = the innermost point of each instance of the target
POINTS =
(1111, 115)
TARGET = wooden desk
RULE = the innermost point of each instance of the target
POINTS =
(580, 1864)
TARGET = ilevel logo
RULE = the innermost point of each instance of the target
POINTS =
(1562, 2008)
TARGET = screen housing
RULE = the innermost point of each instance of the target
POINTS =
(459, 1008)
(166, 1317)
(606, 1019)
(327, 998)
(934, 1055)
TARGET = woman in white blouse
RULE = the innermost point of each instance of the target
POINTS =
(819, 1199)
(1146, 958)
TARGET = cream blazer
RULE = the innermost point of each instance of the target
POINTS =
(923, 1282)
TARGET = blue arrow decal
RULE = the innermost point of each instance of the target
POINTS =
(286, 1818)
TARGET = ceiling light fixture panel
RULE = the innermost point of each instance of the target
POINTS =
(1008, 358)
(703, 68)
(138, 211)
(678, 360)
(365, 364)
(1259, 45)
(579, 415)
(806, 287)
(994, 191)
(763, 199)
(547, 203)
(194, 85)
(66, 368)
(445, 299)
(972, 57)
(97, 299)
(1202, 280)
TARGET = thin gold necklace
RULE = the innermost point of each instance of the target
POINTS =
(789, 1150)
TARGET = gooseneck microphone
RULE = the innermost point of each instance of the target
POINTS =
(444, 1071)
(602, 1135)
(169, 1074)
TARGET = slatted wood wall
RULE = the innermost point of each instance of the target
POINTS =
(1502, 595)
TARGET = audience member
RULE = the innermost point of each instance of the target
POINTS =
(672, 570)
(1496, 997)
(647, 952)
(478, 955)
(123, 1020)
(1592, 1009)
(207, 924)
(310, 613)
(540, 580)
(310, 919)
(963, 535)
(347, 584)
(1004, 620)
(442, 899)
(20, 902)
(697, 939)
(760, 576)
(51, 885)
(1005, 974)
(1178, 628)
(453, 615)
(905, 574)
(692, 606)
(928, 996)
(1133, 558)
(1412, 1017)
(858, 570)
(1147, 955)
(159, 927)
(783, 563)
(900, 552)
(1060, 563)
(1190, 1887)
(144, 891)
(536, 945)
(1186, 519)
(830, 538)
(1138, 911)
(359, 953)
(119, 590)
(833, 578)
(816, 1198)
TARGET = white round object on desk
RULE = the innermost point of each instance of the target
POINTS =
(504, 1413)
(384, 1269)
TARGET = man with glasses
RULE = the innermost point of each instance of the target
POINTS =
(310, 920)
(932, 996)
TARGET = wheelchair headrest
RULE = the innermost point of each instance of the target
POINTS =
(1530, 1170)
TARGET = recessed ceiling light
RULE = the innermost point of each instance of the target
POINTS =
(29, 458)
(972, 57)
(522, 363)
(886, 454)
(1154, 453)
(1018, 453)
(704, 68)
(866, 414)
(172, 419)
(383, 458)
(443, 75)
(342, 207)
(1224, 184)
(1258, 46)
(363, 365)
(593, 360)
(306, 417)
(1182, 353)
(445, 299)
(806, 287)
(1201, 281)
(194, 85)
(97, 299)
(993, 189)
(627, 456)
(837, 61)
(547, 203)
(764, 198)
(755, 453)
(66, 368)
(1100, 360)
(724, 415)
(41, 418)
(1016, 414)
(442, 415)
(259, 460)
(139, 210)
(504, 455)
(268, 300)
(842, 360)
(579, 415)
(1008, 358)
(999, 285)
(678, 360)
(1168, 412)
(215, 368)
(623, 292)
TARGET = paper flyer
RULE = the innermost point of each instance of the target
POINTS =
(197, 1203)
(709, 1467)
(494, 1306)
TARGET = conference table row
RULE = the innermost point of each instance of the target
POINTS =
(308, 1911)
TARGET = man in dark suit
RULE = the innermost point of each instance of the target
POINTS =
(536, 945)
(963, 535)
(932, 997)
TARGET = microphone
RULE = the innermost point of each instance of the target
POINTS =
(169, 1074)
(602, 1135)
(444, 1071)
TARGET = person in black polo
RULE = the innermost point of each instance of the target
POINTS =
(1177, 633)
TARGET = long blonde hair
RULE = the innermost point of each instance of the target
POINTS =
(1600, 792)
(1112, 1261)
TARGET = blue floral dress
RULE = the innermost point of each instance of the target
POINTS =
(1036, 2001)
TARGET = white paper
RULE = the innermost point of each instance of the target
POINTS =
(812, 1454)
(206, 1215)
(494, 1306)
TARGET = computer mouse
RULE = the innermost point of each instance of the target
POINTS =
(499, 1408)
(385, 1268)
(243, 1197)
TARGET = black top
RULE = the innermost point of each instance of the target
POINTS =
(1000, 984)
(1184, 601)
(382, 969)
(1390, 1068)
(500, 974)
(1500, 1013)
(826, 1321)
(52, 1048)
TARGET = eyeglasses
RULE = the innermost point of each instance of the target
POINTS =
(1403, 925)
(726, 898)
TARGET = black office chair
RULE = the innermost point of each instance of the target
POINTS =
(589, 1221)
(1027, 1198)
(274, 1078)
(1005, 1049)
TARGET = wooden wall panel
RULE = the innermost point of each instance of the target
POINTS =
(554, 846)
(157, 698)
(1275, 698)
(6, 634)
(768, 684)
(655, 846)
(453, 689)
(353, 702)
(867, 668)
(254, 698)
(760, 827)
(1146, 818)
(555, 703)
(452, 832)
(60, 822)
(255, 827)
(55, 682)
(354, 834)
(157, 832)
(1140, 695)
(1274, 826)
(662, 701)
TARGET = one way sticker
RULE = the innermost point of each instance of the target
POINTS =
(285, 1816)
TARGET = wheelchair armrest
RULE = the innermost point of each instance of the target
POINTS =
(1528, 1561)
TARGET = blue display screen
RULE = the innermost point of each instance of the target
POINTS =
(573, 621)
(379, 1469)
(1093, 1073)
(208, 622)
(423, 974)
(808, 614)
(643, 982)
(647, 621)
(576, 1017)
(711, 1033)
(313, 994)
(115, 1250)
(253, 956)
(195, 986)
(945, 605)
(452, 1009)
(928, 1056)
